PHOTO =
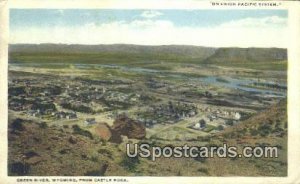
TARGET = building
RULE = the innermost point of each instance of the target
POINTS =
(71, 115)
(200, 125)
(237, 116)
(90, 121)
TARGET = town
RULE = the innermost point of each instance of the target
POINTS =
(86, 101)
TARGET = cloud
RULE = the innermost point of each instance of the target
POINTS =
(151, 14)
(269, 32)
(272, 21)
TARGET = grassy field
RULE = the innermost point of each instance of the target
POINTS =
(153, 60)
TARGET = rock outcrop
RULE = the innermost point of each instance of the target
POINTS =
(122, 126)
(104, 131)
(129, 127)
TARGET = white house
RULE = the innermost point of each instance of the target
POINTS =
(237, 115)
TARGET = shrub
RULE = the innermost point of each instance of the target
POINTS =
(220, 127)
(78, 130)
(19, 168)
(200, 159)
(179, 173)
(285, 125)
(30, 154)
(94, 159)
(203, 170)
(93, 173)
(43, 125)
(265, 129)
(130, 163)
(229, 122)
(64, 151)
(104, 152)
(254, 132)
(99, 172)
(18, 125)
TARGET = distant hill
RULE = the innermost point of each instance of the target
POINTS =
(163, 50)
(247, 54)
(269, 58)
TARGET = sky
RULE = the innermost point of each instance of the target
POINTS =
(217, 28)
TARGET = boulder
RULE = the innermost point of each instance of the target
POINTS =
(129, 127)
(72, 139)
(104, 131)
(34, 160)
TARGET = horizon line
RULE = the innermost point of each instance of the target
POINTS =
(127, 44)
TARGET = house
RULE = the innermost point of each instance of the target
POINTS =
(49, 111)
(33, 113)
(200, 125)
(71, 115)
(212, 117)
(60, 114)
(90, 121)
(237, 116)
(191, 113)
(197, 125)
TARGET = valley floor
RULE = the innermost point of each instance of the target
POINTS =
(55, 113)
